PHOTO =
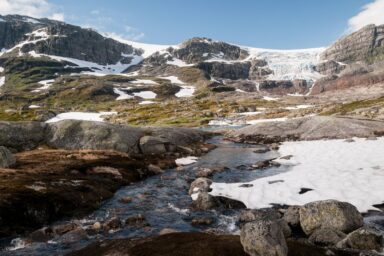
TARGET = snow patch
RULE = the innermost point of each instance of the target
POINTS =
(351, 172)
(147, 102)
(145, 94)
(122, 95)
(185, 91)
(144, 81)
(2, 80)
(173, 79)
(85, 116)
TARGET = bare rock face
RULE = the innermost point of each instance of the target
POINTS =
(365, 44)
(6, 158)
(263, 238)
(284, 86)
(199, 49)
(63, 40)
(309, 128)
(339, 216)
(234, 71)
(330, 67)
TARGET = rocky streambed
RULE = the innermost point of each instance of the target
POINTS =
(155, 214)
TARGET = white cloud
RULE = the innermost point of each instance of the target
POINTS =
(33, 8)
(372, 13)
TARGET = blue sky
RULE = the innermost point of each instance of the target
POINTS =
(260, 23)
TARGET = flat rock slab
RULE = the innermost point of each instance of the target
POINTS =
(308, 128)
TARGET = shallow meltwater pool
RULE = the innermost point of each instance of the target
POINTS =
(163, 201)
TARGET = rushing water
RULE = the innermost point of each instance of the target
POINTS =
(164, 200)
(165, 203)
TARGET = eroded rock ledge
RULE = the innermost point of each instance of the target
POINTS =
(308, 128)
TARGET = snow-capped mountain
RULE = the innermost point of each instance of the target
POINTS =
(202, 62)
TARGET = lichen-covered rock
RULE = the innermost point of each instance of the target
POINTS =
(6, 158)
(326, 237)
(363, 239)
(292, 216)
(200, 185)
(72, 134)
(263, 238)
(332, 214)
(205, 201)
(153, 145)
(22, 135)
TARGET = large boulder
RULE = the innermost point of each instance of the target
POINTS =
(72, 134)
(326, 237)
(263, 238)
(363, 239)
(153, 145)
(332, 214)
(6, 158)
(22, 136)
(200, 185)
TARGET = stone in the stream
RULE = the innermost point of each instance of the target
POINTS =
(229, 203)
(265, 164)
(204, 172)
(263, 238)
(155, 169)
(112, 224)
(261, 150)
(126, 200)
(205, 201)
(166, 231)
(74, 236)
(340, 216)
(96, 225)
(363, 239)
(202, 221)
(136, 220)
(41, 235)
(326, 237)
(7, 159)
(200, 185)
(64, 228)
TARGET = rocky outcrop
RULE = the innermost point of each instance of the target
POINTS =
(330, 214)
(284, 86)
(333, 83)
(366, 44)
(308, 128)
(330, 67)
(233, 71)
(263, 238)
(61, 39)
(198, 49)
(6, 158)
(22, 136)
(72, 134)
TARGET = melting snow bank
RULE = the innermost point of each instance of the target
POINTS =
(97, 117)
(333, 169)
